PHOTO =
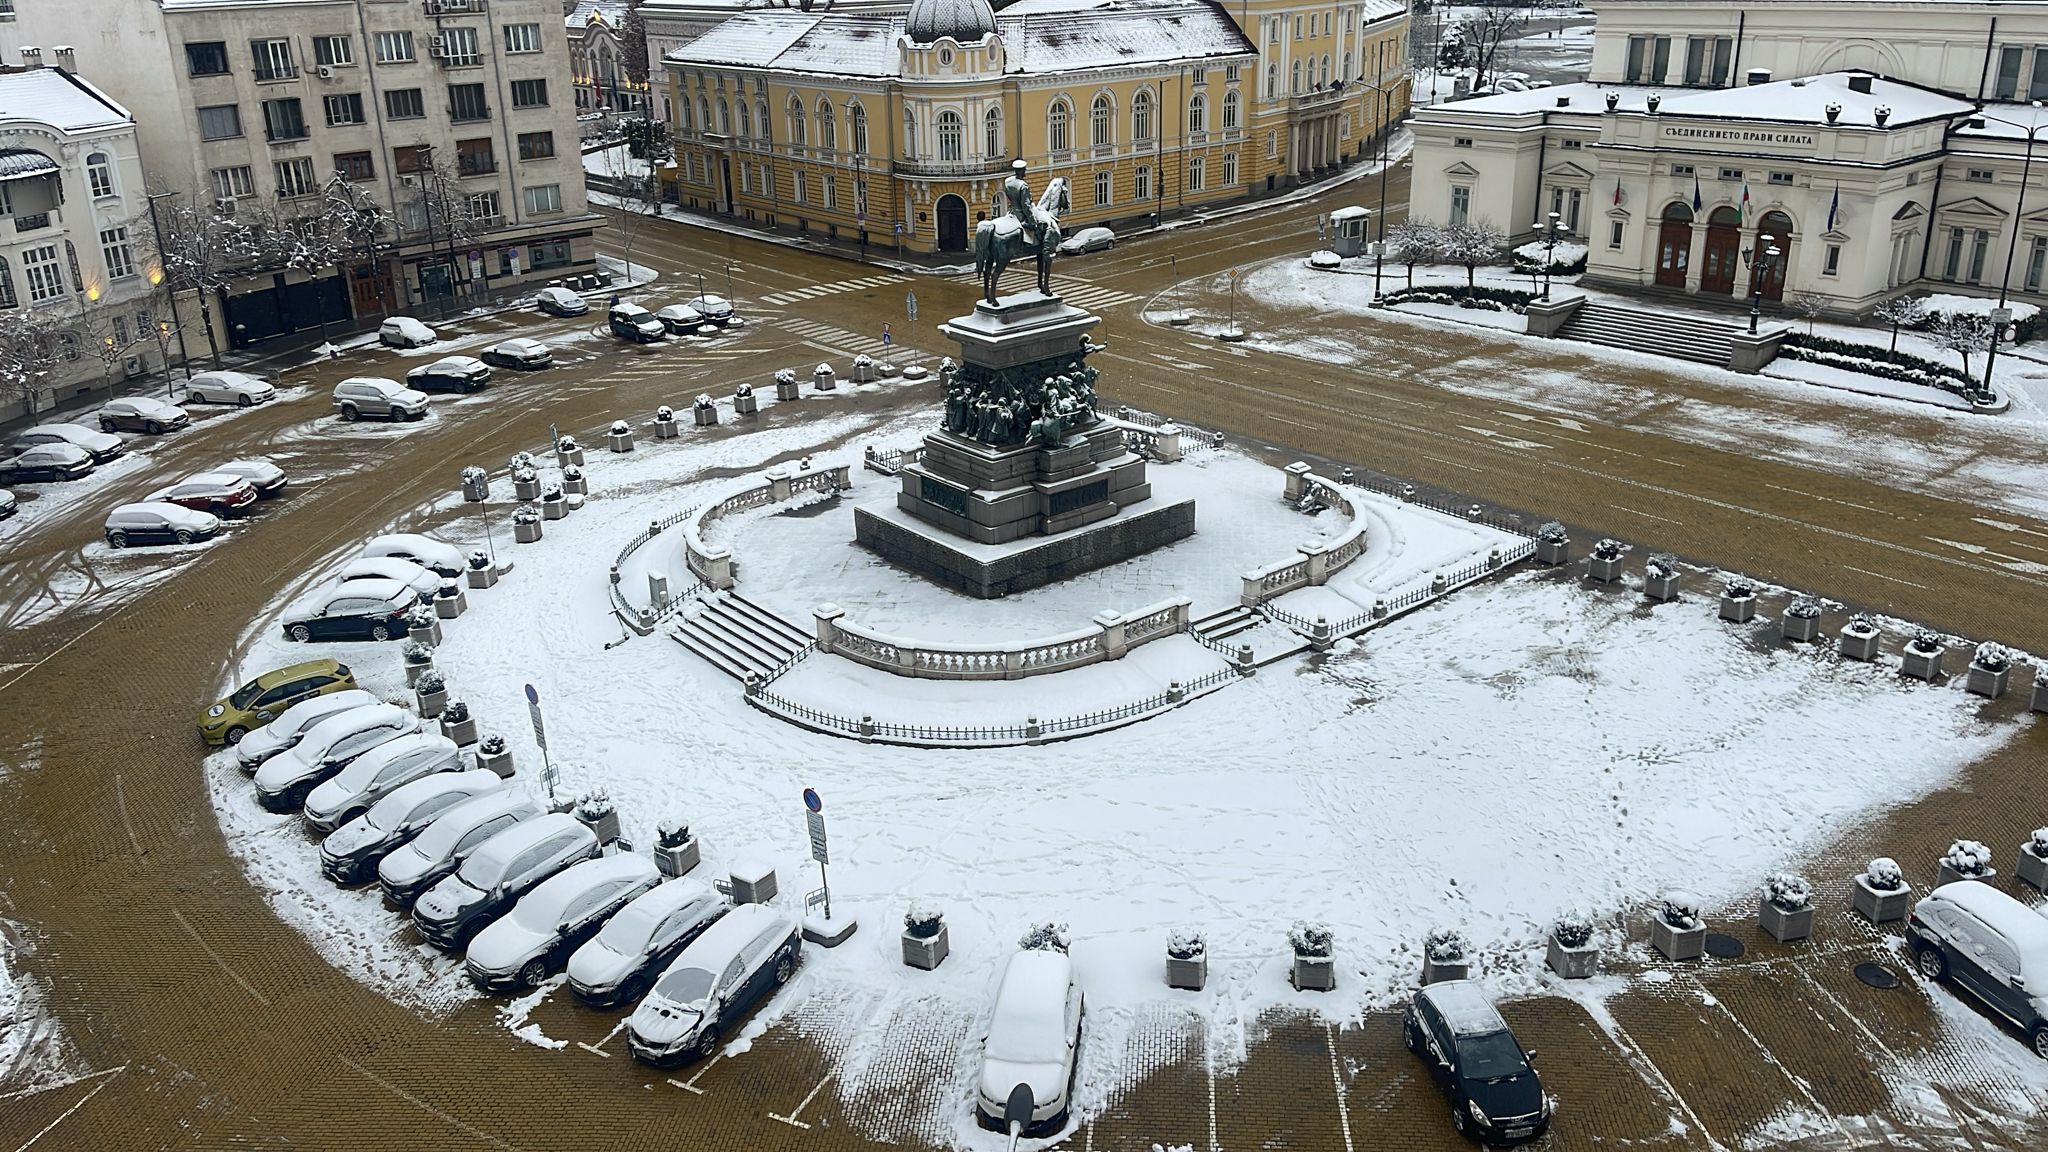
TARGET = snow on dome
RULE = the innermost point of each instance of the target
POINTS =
(965, 21)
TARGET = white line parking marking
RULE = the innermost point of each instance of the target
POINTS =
(66, 1114)
(598, 1048)
(791, 1119)
(208, 948)
(476, 1133)
(692, 1085)
(1882, 576)
(1619, 1033)
(1337, 1080)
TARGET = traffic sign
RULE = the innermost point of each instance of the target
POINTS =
(814, 821)
(811, 798)
(540, 732)
(910, 305)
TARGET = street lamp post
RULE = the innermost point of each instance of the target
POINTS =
(2002, 316)
(1547, 232)
(1761, 259)
(157, 226)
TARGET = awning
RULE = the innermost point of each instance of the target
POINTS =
(21, 163)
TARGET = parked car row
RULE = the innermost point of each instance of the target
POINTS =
(374, 592)
(50, 452)
(634, 322)
(192, 509)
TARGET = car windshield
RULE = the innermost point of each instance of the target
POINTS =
(246, 694)
(1492, 1056)
(685, 985)
(627, 932)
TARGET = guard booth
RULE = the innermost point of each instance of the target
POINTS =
(1350, 229)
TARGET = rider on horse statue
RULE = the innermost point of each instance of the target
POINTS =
(1026, 226)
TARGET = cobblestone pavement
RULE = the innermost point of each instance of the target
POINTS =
(198, 1020)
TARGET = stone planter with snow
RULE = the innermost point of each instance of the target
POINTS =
(1315, 969)
(1677, 930)
(822, 378)
(2037, 701)
(1966, 860)
(450, 603)
(574, 482)
(458, 725)
(665, 425)
(1858, 639)
(493, 756)
(525, 484)
(926, 940)
(482, 573)
(1552, 545)
(1738, 601)
(1990, 670)
(1784, 910)
(620, 438)
(568, 453)
(1801, 621)
(423, 626)
(526, 526)
(1187, 960)
(1445, 956)
(553, 506)
(430, 692)
(704, 412)
(785, 384)
(476, 485)
(417, 660)
(1604, 565)
(1921, 658)
(863, 370)
(1660, 578)
(1881, 893)
(596, 811)
(744, 402)
(676, 851)
(2033, 866)
(1573, 954)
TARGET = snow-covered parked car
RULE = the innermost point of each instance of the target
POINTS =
(618, 964)
(237, 388)
(519, 353)
(532, 942)
(360, 396)
(751, 951)
(158, 522)
(714, 309)
(356, 610)
(422, 580)
(559, 301)
(1088, 240)
(294, 722)
(42, 463)
(8, 506)
(438, 555)
(283, 781)
(267, 478)
(376, 774)
(141, 414)
(499, 873)
(450, 374)
(1988, 945)
(420, 863)
(1034, 1036)
(221, 493)
(102, 446)
(272, 696)
(680, 319)
(635, 323)
(358, 849)
(405, 332)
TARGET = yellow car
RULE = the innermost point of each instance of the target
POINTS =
(261, 700)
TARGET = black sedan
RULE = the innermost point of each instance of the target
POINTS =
(46, 462)
(519, 353)
(354, 610)
(450, 374)
(1495, 1095)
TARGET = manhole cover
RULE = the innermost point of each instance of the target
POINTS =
(1877, 976)
(1724, 946)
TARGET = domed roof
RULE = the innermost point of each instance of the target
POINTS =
(966, 21)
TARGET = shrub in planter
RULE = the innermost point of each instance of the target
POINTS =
(1047, 937)
(431, 689)
(1881, 892)
(1922, 658)
(1605, 563)
(785, 384)
(596, 809)
(1966, 860)
(863, 369)
(1445, 956)
(1785, 908)
(417, 658)
(744, 402)
(457, 724)
(1572, 953)
(525, 483)
(492, 753)
(574, 482)
(520, 460)
(1738, 599)
(476, 484)
(1801, 620)
(704, 411)
(2033, 867)
(423, 624)
(1859, 638)
(1677, 928)
(567, 451)
(1660, 577)
(1990, 669)
(926, 941)
(676, 851)
(552, 506)
(526, 524)
(620, 438)
(663, 412)
(1315, 969)
(1187, 959)
(1553, 544)
(822, 378)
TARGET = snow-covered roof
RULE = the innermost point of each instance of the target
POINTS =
(16, 163)
(2006, 122)
(2011, 919)
(1349, 212)
(1803, 100)
(609, 12)
(58, 98)
(1466, 1008)
(966, 21)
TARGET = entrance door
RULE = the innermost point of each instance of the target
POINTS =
(1724, 251)
(1773, 231)
(725, 182)
(369, 287)
(952, 224)
(1674, 246)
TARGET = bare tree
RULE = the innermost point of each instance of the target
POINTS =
(1963, 333)
(439, 210)
(1487, 29)
(1810, 305)
(34, 345)
(637, 189)
(109, 338)
(1902, 312)
(1415, 242)
(204, 248)
(1473, 244)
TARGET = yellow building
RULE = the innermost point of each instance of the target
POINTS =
(898, 128)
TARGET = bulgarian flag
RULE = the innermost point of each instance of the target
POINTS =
(1617, 191)
(1745, 201)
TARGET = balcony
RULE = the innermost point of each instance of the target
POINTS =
(266, 74)
(34, 222)
(978, 166)
(454, 7)
(479, 166)
(1320, 98)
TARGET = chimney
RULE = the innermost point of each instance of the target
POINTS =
(1860, 82)
(1759, 76)
(31, 57)
(1564, 101)
(67, 57)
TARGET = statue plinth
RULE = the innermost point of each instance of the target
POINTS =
(1018, 330)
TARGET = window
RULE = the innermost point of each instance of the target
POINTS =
(1102, 189)
(1731, 174)
(1707, 59)
(1230, 73)
(483, 208)
(344, 109)
(1099, 117)
(2037, 86)
(1327, 17)
(1980, 244)
(114, 248)
(1272, 144)
(404, 104)
(1952, 262)
(1198, 76)
(1195, 174)
(831, 186)
(295, 177)
(1649, 57)
(856, 126)
(551, 254)
(1831, 262)
(207, 59)
(1461, 142)
(1059, 128)
(1230, 169)
(1980, 175)
(1294, 85)
(466, 102)
(1272, 81)
(1141, 182)
(99, 174)
(394, 48)
(474, 157)
(1571, 145)
(536, 145)
(40, 264)
(797, 124)
(828, 127)
(1681, 169)
(2037, 262)
(800, 187)
(1784, 178)
(1141, 117)
(1565, 203)
(950, 133)
(411, 158)
(522, 38)
(283, 120)
(273, 59)
(746, 119)
(334, 51)
(534, 94)
(1297, 27)
(1461, 203)
(233, 183)
(1231, 107)
(458, 47)
(220, 122)
(543, 198)
(355, 166)
(1198, 113)
(1614, 234)
(992, 132)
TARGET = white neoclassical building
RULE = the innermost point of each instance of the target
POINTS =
(1877, 145)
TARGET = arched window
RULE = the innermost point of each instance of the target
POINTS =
(99, 174)
(1294, 85)
(1346, 73)
(724, 117)
(1141, 117)
(1100, 131)
(950, 134)
(1059, 127)
(1141, 182)
(7, 296)
(746, 121)
(828, 126)
(1230, 110)
(1326, 70)
(1198, 113)
(857, 126)
(1776, 225)
(761, 115)
(992, 133)
(1229, 169)
(1272, 81)
(796, 122)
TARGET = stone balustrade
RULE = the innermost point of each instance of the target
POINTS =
(1109, 637)
(1319, 559)
(713, 564)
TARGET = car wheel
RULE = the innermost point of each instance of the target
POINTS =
(379, 632)
(534, 972)
(182, 536)
(117, 539)
(633, 989)
(1459, 1120)
(235, 734)
(152, 427)
(397, 414)
(107, 426)
(349, 413)
(1411, 1037)
(243, 401)
(300, 633)
(708, 1042)
(784, 969)
(1929, 960)
(2039, 1040)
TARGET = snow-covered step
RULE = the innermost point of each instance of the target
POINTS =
(796, 634)
(737, 636)
(1663, 334)
(1225, 624)
(710, 651)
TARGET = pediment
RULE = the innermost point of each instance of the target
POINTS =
(1461, 169)
(1570, 171)
(1974, 206)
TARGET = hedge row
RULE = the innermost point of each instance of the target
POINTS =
(1875, 353)
(1485, 297)
(1878, 368)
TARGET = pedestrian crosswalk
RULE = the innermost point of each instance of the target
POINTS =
(842, 340)
(791, 297)
(1079, 293)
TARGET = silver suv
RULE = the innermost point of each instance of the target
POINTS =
(1987, 944)
(360, 396)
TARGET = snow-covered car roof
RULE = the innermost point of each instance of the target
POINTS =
(139, 405)
(175, 513)
(2021, 925)
(412, 543)
(393, 568)
(229, 376)
(677, 312)
(1467, 1009)
(397, 808)
(62, 452)
(306, 713)
(221, 477)
(408, 323)
(376, 588)
(248, 468)
(628, 308)
(488, 863)
(542, 908)
(733, 932)
(73, 433)
(519, 345)
(380, 383)
(6, 498)
(634, 923)
(711, 301)
(453, 364)
(558, 293)
(451, 826)
(1029, 1023)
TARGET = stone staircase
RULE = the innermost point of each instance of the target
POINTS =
(1673, 334)
(738, 636)
(1218, 627)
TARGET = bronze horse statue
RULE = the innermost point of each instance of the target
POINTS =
(998, 241)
